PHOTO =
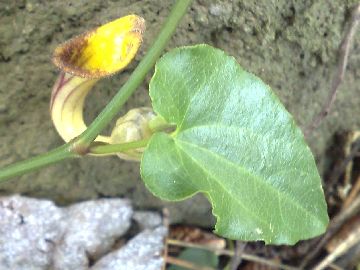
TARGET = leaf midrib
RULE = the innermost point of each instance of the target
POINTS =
(199, 89)
(243, 169)
(251, 131)
(220, 184)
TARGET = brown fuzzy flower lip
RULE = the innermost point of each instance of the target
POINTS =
(65, 55)
(102, 51)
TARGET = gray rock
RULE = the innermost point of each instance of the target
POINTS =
(91, 230)
(147, 220)
(28, 230)
(143, 252)
(37, 235)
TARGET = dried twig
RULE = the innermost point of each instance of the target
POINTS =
(340, 170)
(353, 138)
(349, 242)
(231, 253)
(352, 207)
(334, 226)
(335, 267)
(237, 258)
(166, 223)
(186, 264)
(344, 51)
(353, 194)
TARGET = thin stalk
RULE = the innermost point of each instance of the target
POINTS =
(117, 148)
(84, 140)
(137, 77)
(186, 264)
(159, 124)
(231, 253)
(40, 161)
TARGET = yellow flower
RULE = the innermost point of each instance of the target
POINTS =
(83, 61)
(102, 51)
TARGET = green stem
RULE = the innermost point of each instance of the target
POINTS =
(117, 148)
(31, 164)
(159, 124)
(137, 77)
(104, 118)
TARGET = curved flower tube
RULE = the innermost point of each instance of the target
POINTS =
(83, 61)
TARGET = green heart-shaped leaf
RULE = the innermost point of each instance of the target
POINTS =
(236, 143)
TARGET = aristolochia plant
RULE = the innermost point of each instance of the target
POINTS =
(213, 128)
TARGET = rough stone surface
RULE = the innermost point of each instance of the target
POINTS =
(147, 220)
(90, 231)
(291, 45)
(28, 230)
(143, 252)
(37, 235)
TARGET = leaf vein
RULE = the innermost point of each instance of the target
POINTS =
(257, 177)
